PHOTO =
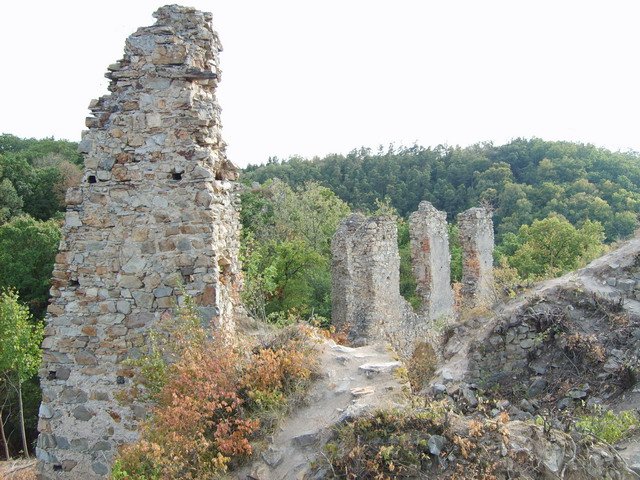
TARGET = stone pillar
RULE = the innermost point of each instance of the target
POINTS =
(154, 217)
(476, 239)
(366, 278)
(431, 261)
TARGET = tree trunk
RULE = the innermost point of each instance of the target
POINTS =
(22, 431)
(4, 438)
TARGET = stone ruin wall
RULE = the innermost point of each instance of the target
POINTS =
(431, 261)
(154, 217)
(367, 304)
(476, 239)
(366, 277)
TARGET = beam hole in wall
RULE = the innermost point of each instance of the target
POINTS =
(92, 179)
(176, 176)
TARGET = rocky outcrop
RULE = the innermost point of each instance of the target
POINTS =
(153, 220)
(566, 344)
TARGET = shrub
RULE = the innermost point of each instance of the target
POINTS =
(422, 365)
(585, 347)
(210, 391)
(607, 425)
(388, 444)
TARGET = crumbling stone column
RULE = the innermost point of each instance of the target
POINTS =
(476, 239)
(431, 260)
(366, 278)
(154, 217)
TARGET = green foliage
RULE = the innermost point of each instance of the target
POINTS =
(27, 253)
(456, 253)
(607, 425)
(211, 393)
(552, 246)
(10, 202)
(286, 249)
(31, 149)
(407, 279)
(524, 180)
(20, 356)
(20, 338)
(34, 176)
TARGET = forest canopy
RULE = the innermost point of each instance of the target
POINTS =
(524, 180)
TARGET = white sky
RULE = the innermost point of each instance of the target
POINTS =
(317, 77)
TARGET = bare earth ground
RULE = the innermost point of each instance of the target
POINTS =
(18, 470)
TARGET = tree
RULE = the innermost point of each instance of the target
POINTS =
(286, 247)
(27, 251)
(20, 355)
(10, 202)
(552, 246)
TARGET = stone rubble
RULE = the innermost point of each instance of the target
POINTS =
(154, 219)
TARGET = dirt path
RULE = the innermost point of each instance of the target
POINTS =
(353, 381)
(18, 470)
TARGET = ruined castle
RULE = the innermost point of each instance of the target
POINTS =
(153, 219)
(156, 218)
(367, 304)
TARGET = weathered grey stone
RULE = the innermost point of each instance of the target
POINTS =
(380, 367)
(62, 443)
(526, 343)
(476, 239)
(537, 387)
(45, 411)
(131, 226)
(272, 456)
(435, 444)
(627, 285)
(162, 292)
(80, 444)
(100, 468)
(365, 274)
(306, 439)
(101, 446)
(431, 261)
(82, 413)
(73, 395)
(68, 465)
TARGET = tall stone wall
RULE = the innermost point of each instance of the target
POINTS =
(476, 239)
(154, 217)
(431, 261)
(366, 278)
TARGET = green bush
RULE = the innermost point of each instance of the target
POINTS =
(607, 425)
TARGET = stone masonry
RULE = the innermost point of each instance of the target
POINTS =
(476, 239)
(366, 278)
(367, 304)
(154, 217)
(431, 261)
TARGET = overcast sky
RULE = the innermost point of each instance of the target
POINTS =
(317, 77)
